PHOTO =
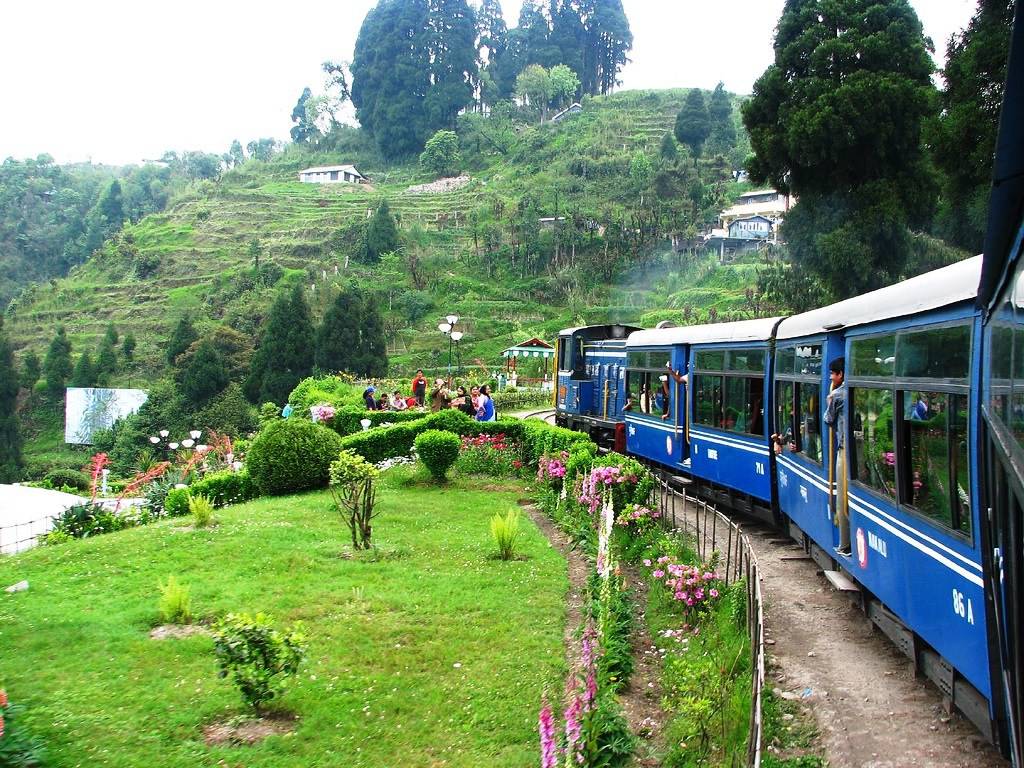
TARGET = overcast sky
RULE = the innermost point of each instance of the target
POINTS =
(118, 81)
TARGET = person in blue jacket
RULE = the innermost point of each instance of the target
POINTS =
(485, 405)
(371, 404)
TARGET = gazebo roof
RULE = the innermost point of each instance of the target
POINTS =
(532, 348)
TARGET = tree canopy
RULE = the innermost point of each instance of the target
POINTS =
(11, 462)
(285, 353)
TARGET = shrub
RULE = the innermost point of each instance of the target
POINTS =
(354, 495)
(58, 478)
(491, 455)
(17, 746)
(83, 520)
(176, 502)
(505, 532)
(257, 656)
(292, 455)
(202, 511)
(226, 487)
(438, 450)
(175, 603)
(512, 399)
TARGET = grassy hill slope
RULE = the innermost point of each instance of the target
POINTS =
(193, 258)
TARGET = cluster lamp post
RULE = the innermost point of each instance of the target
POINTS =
(454, 337)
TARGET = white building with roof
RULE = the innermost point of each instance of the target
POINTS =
(332, 174)
(768, 203)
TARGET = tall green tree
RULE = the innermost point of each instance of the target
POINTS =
(491, 43)
(337, 338)
(128, 346)
(533, 87)
(111, 333)
(84, 374)
(693, 124)
(205, 377)
(381, 234)
(372, 356)
(11, 462)
(723, 129)
(609, 40)
(106, 362)
(963, 136)
(441, 155)
(181, 338)
(57, 367)
(837, 120)
(304, 129)
(284, 355)
(30, 370)
(564, 85)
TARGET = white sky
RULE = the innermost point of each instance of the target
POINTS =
(117, 81)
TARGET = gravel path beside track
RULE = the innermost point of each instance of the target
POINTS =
(872, 711)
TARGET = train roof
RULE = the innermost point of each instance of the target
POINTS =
(933, 290)
(603, 331)
(741, 330)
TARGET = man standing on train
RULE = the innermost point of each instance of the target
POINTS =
(835, 417)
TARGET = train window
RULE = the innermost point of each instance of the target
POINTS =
(785, 361)
(638, 359)
(1016, 412)
(808, 360)
(743, 405)
(709, 400)
(1000, 371)
(745, 360)
(785, 414)
(810, 426)
(936, 353)
(873, 357)
(874, 452)
(710, 361)
(565, 354)
(935, 467)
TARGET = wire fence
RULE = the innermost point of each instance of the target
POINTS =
(17, 537)
(714, 532)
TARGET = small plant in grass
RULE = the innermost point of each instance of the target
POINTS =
(505, 531)
(351, 484)
(176, 502)
(17, 747)
(258, 656)
(438, 450)
(202, 511)
(175, 602)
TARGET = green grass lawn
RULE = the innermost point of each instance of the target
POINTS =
(435, 655)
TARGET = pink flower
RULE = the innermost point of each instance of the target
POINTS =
(657, 573)
(574, 729)
(714, 593)
(548, 744)
(647, 563)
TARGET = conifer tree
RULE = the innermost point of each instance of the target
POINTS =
(111, 334)
(84, 374)
(106, 362)
(372, 357)
(693, 125)
(57, 366)
(30, 370)
(285, 352)
(381, 234)
(11, 463)
(128, 346)
(181, 338)
(337, 338)
(723, 129)
(206, 375)
(668, 150)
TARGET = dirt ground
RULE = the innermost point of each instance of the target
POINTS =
(871, 710)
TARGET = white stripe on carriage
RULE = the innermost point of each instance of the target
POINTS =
(915, 531)
(804, 473)
(656, 425)
(971, 577)
(694, 434)
(621, 354)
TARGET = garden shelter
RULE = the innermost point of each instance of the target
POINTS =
(532, 348)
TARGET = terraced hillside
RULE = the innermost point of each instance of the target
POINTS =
(195, 258)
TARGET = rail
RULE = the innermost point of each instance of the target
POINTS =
(18, 537)
(714, 532)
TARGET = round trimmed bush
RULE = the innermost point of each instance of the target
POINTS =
(62, 476)
(438, 450)
(292, 455)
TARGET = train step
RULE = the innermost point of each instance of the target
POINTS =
(841, 581)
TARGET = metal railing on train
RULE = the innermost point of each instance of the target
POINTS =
(712, 532)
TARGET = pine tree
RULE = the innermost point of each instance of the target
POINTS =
(381, 234)
(111, 334)
(693, 125)
(106, 362)
(723, 129)
(128, 346)
(181, 338)
(337, 338)
(205, 377)
(30, 370)
(372, 356)
(11, 462)
(84, 374)
(57, 366)
(609, 39)
(668, 150)
(285, 353)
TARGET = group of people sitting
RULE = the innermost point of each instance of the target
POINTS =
(475, 402)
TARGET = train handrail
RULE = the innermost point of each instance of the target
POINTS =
(739, 562)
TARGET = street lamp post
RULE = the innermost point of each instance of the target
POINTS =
(448, 329)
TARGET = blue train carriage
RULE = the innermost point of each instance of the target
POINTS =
(1001, 299)
(912, 354)
(591, 379)
(718, 438)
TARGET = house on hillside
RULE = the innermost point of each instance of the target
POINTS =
(573, 109)
(762, 202)
(751, 228)
(332, 174)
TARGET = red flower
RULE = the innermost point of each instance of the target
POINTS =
(3, 698)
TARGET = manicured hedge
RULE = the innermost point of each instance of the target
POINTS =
(292, 455)
(346, 420)
(226, 487)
